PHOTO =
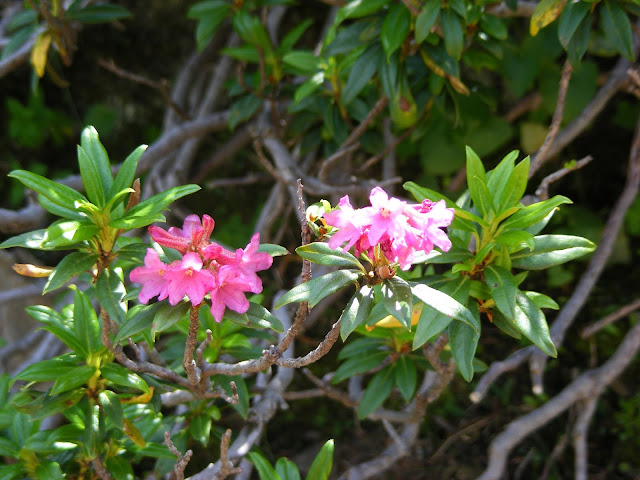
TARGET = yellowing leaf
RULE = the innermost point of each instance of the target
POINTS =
(144, 398)
(133, 433)
(39, 53)
(390, 322)
(545, 12)
(29, 270)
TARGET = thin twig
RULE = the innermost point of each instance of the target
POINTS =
(541, 156)
(542, 191)
(183, 460)
(609, 319)
(100, 469)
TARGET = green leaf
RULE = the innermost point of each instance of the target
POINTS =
(406, 376)
(252, 31)
(245, 53)
(152, 207)
(91, 432)
(426, 19)
(377, 391)
(49, 405)
(532, 214)
(91, 178)
(445, 305)
(431, 321)
(552, 250)
(570, 19)
(167, 316)
(103, 12)
(463, 341)
(321, 253)
(90, 143)
(542, 300)
(360, 74)
(243, 110)
(531, 322)
(48, 470)
(8, 449)
(273, 250)
(617, 28)
(120, 468)
(55, 192)
(515, 187)
(453, 34)
(72, 379)
(515, 238)
(126, 174)
(138, 319)
(46, 370)
(397, 299)
(112, 407)
(292, 37)
(10, 472)
(308, 87)
(73, 213)
(302, 61)
(33, 240)
(287, 469)
(318, 288)
(395, 28)
(64, 233)
(360, 346)
(580, 41)
(263, 467)
(111, 291)
(58, 326)
(322, 463)
(200, 428)
(85, 322)
(503, 289)
(545, 12)
(70, 266)
(494, 26)
(123, 377)
(507, 326)
(260, 317)
(359, 364)
(357, 311)
(477, 183)
(497, 179)
(210, 15)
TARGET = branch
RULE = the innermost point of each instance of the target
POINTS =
(609, 319)
(183, 460)
(586, 386)
(543, 190)
(539, 158)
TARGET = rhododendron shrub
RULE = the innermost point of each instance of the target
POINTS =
(181, 318)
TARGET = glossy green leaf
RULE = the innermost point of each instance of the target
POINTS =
(112, 407)
(477, 183)
(357, 311)
(273, 250)
(99, 13)
(360, 74)
(292, 37)
(138, 319)
(263, 467)
(138, 216)
(251, 30)
(69, 267)
(494, 26)
(73, 213)
(121, 376)
(287, 469)
(321, 253)
(210, 15)
(426, 19)
(579, 43)
(445, 304)
(64, 233)
(46, 370)
(542, 300)
(360, 346)
(244, 109)
(359, 364)
(617, 28)
(506, 325)
(534, 213)
(395, 28)
(91, 178)
(303, 61)
(308, 87)
(200, 428)
(570, 20)
(48, 470)
(453, 34)
(260, 317)
(49, 405)
(431, 321)
(463, 341)
(73, 378)
(8, 448)
(318, 288)
(498, 178)
(552, 250)
(120, 468)
(322, 463)
(406, 377)
(515, 187)
(53, 191)
(111, 291)
(531, 322)
(57, 325)
(515, 238)
(11, 472)
(377, 391)
(167, 316)
(126, 174)
(503, 289)
(398, 300)
(85, 322)
(34, 240)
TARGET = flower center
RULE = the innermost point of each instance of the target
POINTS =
(385, 212)
(189, 272)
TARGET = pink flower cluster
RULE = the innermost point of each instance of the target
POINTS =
(401, 229)
(205, 268)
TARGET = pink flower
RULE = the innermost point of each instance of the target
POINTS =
(188, 278)
(193, 235)
(152, 277)
(229, 292)
(350, 223)
(385, 216)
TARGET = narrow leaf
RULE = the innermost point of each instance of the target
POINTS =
(316, 289)
(357, 311)
(503, 289)
(322, 463)
(551, 250)
(445, 305)
(321, 253)
(376, 393)
(69, 267)
(397, 298)
(463, 341)
(531, 322)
